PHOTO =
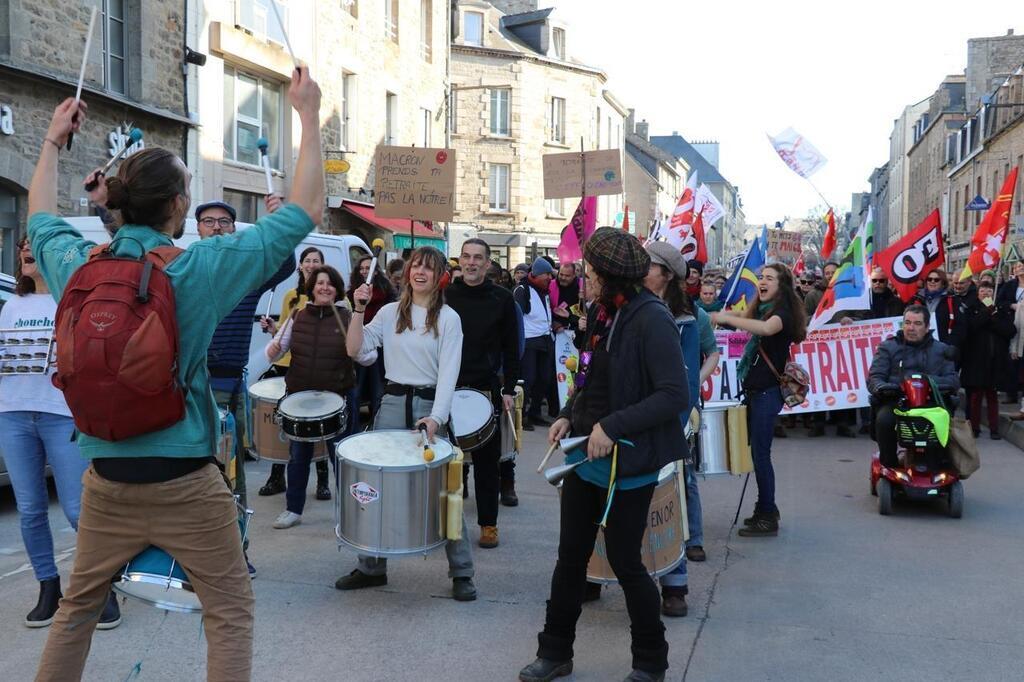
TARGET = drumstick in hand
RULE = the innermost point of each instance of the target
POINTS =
(428, 453)
(547, 457)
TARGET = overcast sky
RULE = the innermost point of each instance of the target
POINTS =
(838, 73)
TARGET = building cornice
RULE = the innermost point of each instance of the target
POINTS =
(536, 59)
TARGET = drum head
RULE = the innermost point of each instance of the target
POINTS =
(155, 578)
(471, 411)
(311, 405)
(268, 389)
(392, 449)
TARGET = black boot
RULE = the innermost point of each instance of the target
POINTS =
(111, 616)
(508, 493)
(323, 491)
(544, 670)
(275, 483)
(46, 607)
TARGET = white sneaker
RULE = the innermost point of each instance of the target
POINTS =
(287, 519)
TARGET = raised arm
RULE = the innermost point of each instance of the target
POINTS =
(42, 193)
(308, 189)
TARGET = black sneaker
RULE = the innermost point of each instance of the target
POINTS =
(749, 521)
(544, 670)
(762, 527)
(111, 616)
(644, 676)
(463, 589)
(49, 598)
(322, 491)
(508, 494)
(593, 592)
(696, 553)
(357, 580)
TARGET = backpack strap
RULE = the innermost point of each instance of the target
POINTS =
(162, 256)
(778, 377)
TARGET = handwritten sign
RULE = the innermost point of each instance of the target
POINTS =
(415, 182)
(784, 247)
(563, 174)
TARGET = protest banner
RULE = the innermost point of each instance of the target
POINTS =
(784, 247)
(564, 349)
(836, 357)
(563, 174)
(415, 182)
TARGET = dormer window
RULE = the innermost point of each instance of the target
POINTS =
(558, 43)
(473, 28)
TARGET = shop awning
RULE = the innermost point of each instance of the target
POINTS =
(394, 225)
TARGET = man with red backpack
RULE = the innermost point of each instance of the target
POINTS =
(132, 365)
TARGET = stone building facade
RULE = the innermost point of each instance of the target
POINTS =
(382, 69)
(516, 96)
(654, 178)
(896, 207)
(133, 76)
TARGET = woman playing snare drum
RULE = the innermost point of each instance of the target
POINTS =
(422, 342)
(315, 336)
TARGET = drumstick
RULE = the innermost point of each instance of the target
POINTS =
(81, 72)
(547, 456)
(378, 245)
(511, 420)
(284, 32)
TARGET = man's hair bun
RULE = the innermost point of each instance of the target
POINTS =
(117, 193)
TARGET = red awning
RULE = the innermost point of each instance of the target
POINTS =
(395, 225)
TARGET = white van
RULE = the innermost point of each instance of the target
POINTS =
(341, 251)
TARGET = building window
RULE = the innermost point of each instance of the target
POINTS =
(558, 42)
(351, 6)
(555, 207)
(453, 111)
(498, 186)
(390, 119)
(426, 29)
(348, 92)
(501, 117)
(114, 42)
(425, 117)
(557, 120)
(257, 17)
(248, 206)
(473, 28)
(252, 109)
(391, 19)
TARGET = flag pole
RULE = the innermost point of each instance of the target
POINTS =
(815, 188)
(739, 271)
(583, 208)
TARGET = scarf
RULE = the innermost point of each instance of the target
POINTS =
(930, 296)
(751, 349)
(712, 307)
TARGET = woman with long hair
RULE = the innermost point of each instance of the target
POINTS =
(36, 429)
(422, 342)
(630, 390)
(775, 323)
(944, 308)
(315, 336)
(310, 259)
(370, 380)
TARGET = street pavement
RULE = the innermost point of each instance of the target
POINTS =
(841, 594)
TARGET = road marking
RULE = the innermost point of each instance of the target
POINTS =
(28, 567)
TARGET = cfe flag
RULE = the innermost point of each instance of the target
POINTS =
(578, 231)
(849, 288)
(740, 290)
(797, 153)
(684, 230)
(913, 257)
(828, 244)
(990, 236)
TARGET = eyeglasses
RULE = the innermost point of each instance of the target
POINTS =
(877, 281)
(933, 279)
(806, 281)
(222, 223)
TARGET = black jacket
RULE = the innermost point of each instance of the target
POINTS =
(886, 304)
(947, 315)
(897, 357)
(985, 358)
(490, 335)
(647, 384)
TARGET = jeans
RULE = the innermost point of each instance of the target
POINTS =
(460, 556)
(762, 408)
(694, 516)
(582, 505)
(300, 455)
(538, 370)
(30, 441)
(224, 400)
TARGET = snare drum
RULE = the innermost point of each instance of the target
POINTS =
(392, 502)
(267, 438)
(473, 421)
(664, 543)
(226, 445)
(312, 416)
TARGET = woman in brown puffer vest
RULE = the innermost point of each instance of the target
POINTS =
(315, 335)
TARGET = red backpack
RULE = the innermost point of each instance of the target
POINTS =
(117, 345)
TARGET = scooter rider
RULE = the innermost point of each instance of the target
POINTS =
(913, 349)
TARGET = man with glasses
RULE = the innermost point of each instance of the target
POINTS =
(228, 353)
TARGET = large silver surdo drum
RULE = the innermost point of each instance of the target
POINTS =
(391, 502)
(714, 446)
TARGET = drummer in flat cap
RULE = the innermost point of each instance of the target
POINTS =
(631, 388)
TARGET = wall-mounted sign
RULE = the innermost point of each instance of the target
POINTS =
(6, 120)
(979, 203)
(336, 166)
(118, 137)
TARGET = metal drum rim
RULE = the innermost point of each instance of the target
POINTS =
(159, 581)
(375, 552)
(437, 462)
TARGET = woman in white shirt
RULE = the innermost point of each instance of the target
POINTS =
(36, 428)
(422, 342)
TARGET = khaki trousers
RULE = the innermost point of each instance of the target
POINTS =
(194, 519)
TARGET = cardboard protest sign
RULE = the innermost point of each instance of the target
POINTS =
(784, 247)
(836, 357)
(415, 182)
(563, 174)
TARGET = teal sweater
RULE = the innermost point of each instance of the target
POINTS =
(210, 278)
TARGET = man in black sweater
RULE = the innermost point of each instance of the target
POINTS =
(490, 343)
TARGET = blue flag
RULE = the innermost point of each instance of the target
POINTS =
(740, 290)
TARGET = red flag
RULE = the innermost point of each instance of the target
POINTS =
(990, 236)
(700, 251)
(798, 267)
(625, 219)
(829, 243)
(913, 256)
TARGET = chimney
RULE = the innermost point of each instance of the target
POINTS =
(642, 128)
(630, 122)
(1009, 31)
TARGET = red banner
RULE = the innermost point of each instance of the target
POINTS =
(907, 261)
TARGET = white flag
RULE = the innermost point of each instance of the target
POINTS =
(708, 206)
(798, 153)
